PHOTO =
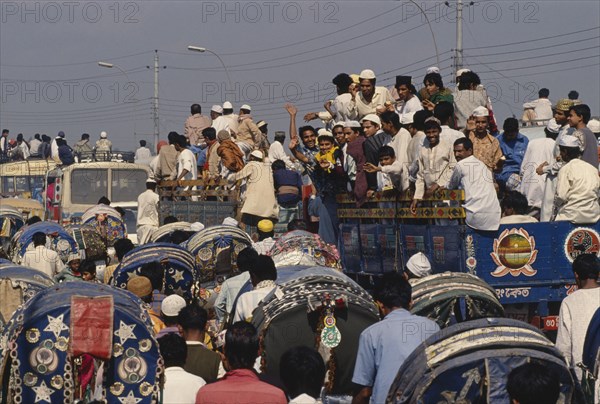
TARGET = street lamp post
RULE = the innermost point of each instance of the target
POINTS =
(110, 66)
(202, 50)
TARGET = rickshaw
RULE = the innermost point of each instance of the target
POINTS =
(59, 240)
(17, 285)
(454, 297)
(163, 233)
(11, 220)
(299, 247)
(74, 335)
(318, 307)
(27, 207)
(215, 250)
(469, 363)
(88, 240)
(180, 274)
(107, 222)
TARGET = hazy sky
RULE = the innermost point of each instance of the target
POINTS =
(275, 51)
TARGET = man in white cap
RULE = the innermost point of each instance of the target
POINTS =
(230, 116)
(229, 221)
(259, 198)
(551, 167)
(147, 215)
(354, 148)
(417, 266)
(470, 174)
(248, 136)
(169, 312)
(103, 147)
(578, 184)
(594, 126)
(486, 148)
(370, 96)
(218, 120)
(538, 151)
(54, 146)
(375, 138)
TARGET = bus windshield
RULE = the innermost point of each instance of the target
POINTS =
(127, 184)
(88, 185)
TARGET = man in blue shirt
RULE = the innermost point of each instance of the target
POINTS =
(513, 146)
(385, 345)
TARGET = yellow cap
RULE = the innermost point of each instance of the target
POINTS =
(265, 226)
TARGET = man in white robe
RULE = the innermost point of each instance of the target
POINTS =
(473, 176)
(538, 151)
(436, 163)
(577, 186)
(147, 215)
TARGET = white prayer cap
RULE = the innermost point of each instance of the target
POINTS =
(258, 154)
(552, 126)
(324, 133)
(367, 74)
(227, 105)
(103, 135)
(407, 118)
(197, 226)
(432, 69)
(594, 125)
(529, 105)
(229, 221)
(351, 124)
(246, 106)
(570, 141)
(150, 180)
(217, 108)
(373, 118)
(172, 304)
(481, 111)
(419, 265)
(459, 72)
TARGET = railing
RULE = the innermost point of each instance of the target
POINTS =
(201, 190)
(385, 206)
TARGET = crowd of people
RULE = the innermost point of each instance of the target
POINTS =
(44, 147)
(375, 140)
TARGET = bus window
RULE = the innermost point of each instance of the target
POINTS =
(127, 184)
(8, 185)
(87, 186)
(22, 184)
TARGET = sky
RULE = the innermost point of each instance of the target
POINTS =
(275, 52)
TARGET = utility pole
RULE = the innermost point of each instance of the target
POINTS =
(156, 127)
(458, 57)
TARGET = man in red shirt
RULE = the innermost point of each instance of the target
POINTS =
(240, 384)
